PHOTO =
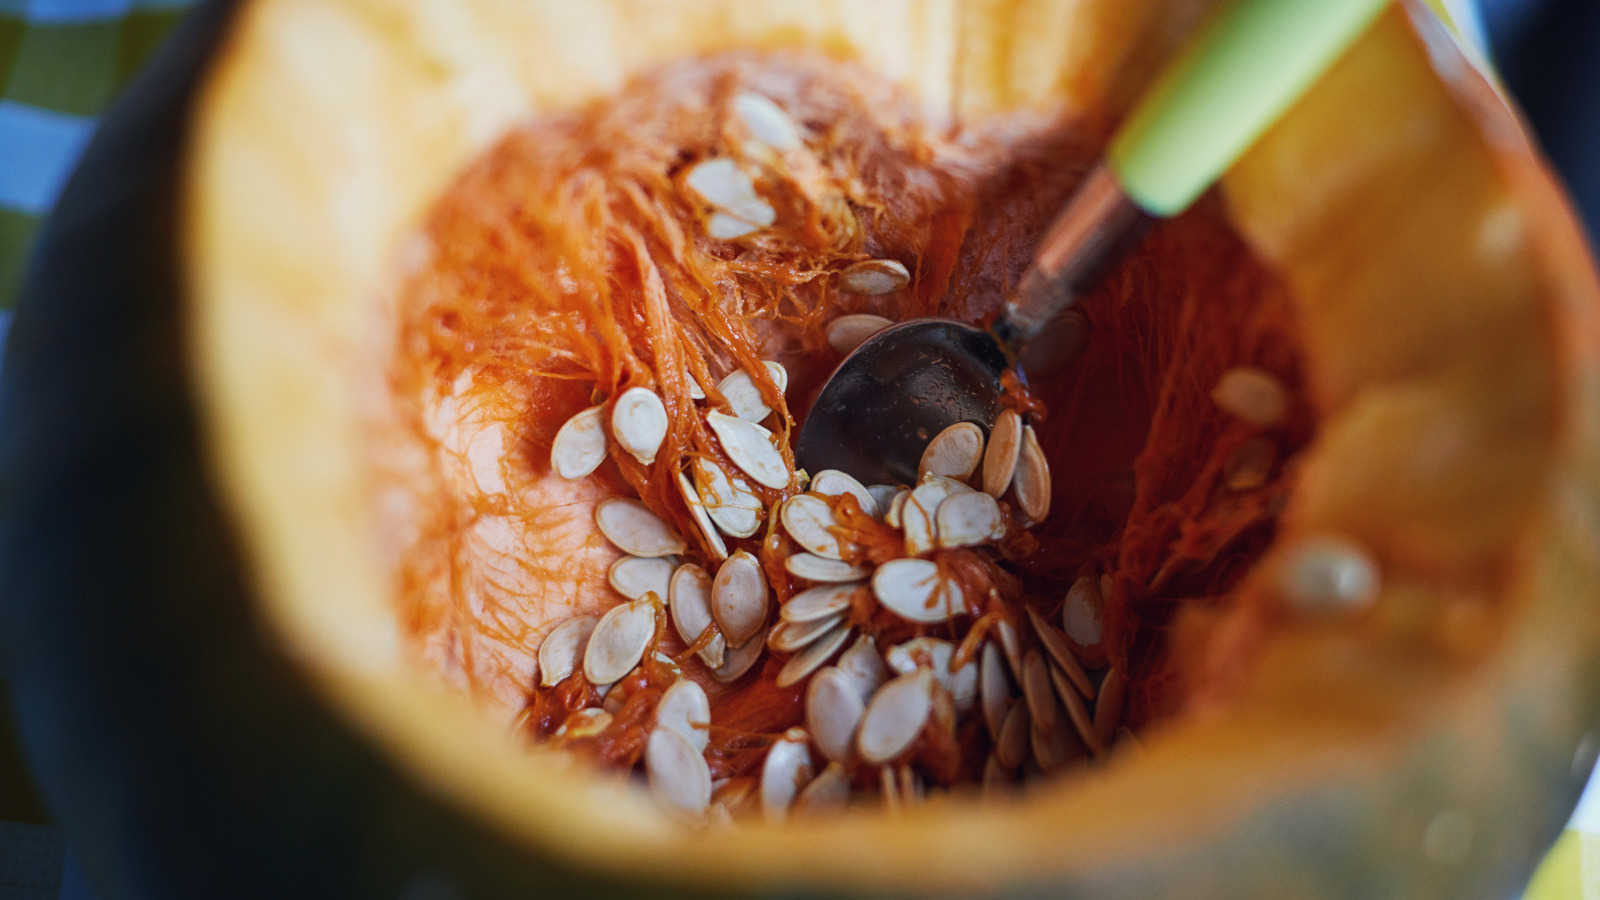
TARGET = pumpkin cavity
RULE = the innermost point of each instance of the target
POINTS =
(640, 297)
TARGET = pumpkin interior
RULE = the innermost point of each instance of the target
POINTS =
(529, 274)
(1439, 417)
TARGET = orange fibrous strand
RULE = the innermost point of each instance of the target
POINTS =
(1015, 396)
(862, 537)
(571, 262)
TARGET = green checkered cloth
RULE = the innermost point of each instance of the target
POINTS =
(62, 62)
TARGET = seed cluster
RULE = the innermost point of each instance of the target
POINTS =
(870, 710)
(870, 561)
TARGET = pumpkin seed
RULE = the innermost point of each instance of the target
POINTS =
(696, 392)
(635, 530)
(789, 637)
(996, 780)
(1011, 645)
(882, 495)
(715, 545)
(895, 717)
(726, 187)
(874, 276)
(949, 486)
(965, 520)
(1249, 465)
(580, 445)
(846, 333)
(994, 690)
(785, 772)
(562, 648)
(1053, 748)
(889, 787)
(702, 520)
(634, 576)
(1055, 645)
(1000, 458)
(834, 483)
(1012, 746)
(679, 778)
(584, 723)
(639, 423)
(1108, 706)
(690, 590)
(833, 710)
(735, 794)
(1037, 691)
(808, 519)
(819, 602)
(1031, 481)
(739, 598)
(919, 524)
(815, 654)
(744, 397)
(954, 452)
(930, 653)
(812, 567)
(735, 509)
(1252, 395)
(827, 792)
(961, 684)
(864, 666)
(1078, 712)
(751, 448)
(913, 590)
(1126, 742)
(1080, 612)
(897, 504)
(738, 661)
(1328, 574)
(911, 788)
(618, 641)
(918, 514)
(685, 709)
(766, 122)
(725, 227)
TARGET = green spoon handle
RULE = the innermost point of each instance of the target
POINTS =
(1243, 71)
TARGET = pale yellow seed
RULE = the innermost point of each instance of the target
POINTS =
(1031, 482)
(635, 530)
(874, 276)
(1253, 395)
(1000, 458)
(1081, 612)
(1249, 465)
(1328, 574)
(702, 518)
(580, 446)
(954, 452)
(744, 396)
(639, 423)
(751, 448)
(846, 333)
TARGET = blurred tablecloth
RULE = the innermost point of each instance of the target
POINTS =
(61, 64)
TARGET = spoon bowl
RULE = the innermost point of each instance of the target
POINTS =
(897, 390)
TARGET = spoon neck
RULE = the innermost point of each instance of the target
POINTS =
(1095, 224)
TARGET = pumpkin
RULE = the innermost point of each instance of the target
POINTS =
(212, 679)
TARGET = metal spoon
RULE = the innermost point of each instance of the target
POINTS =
(905, 384)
